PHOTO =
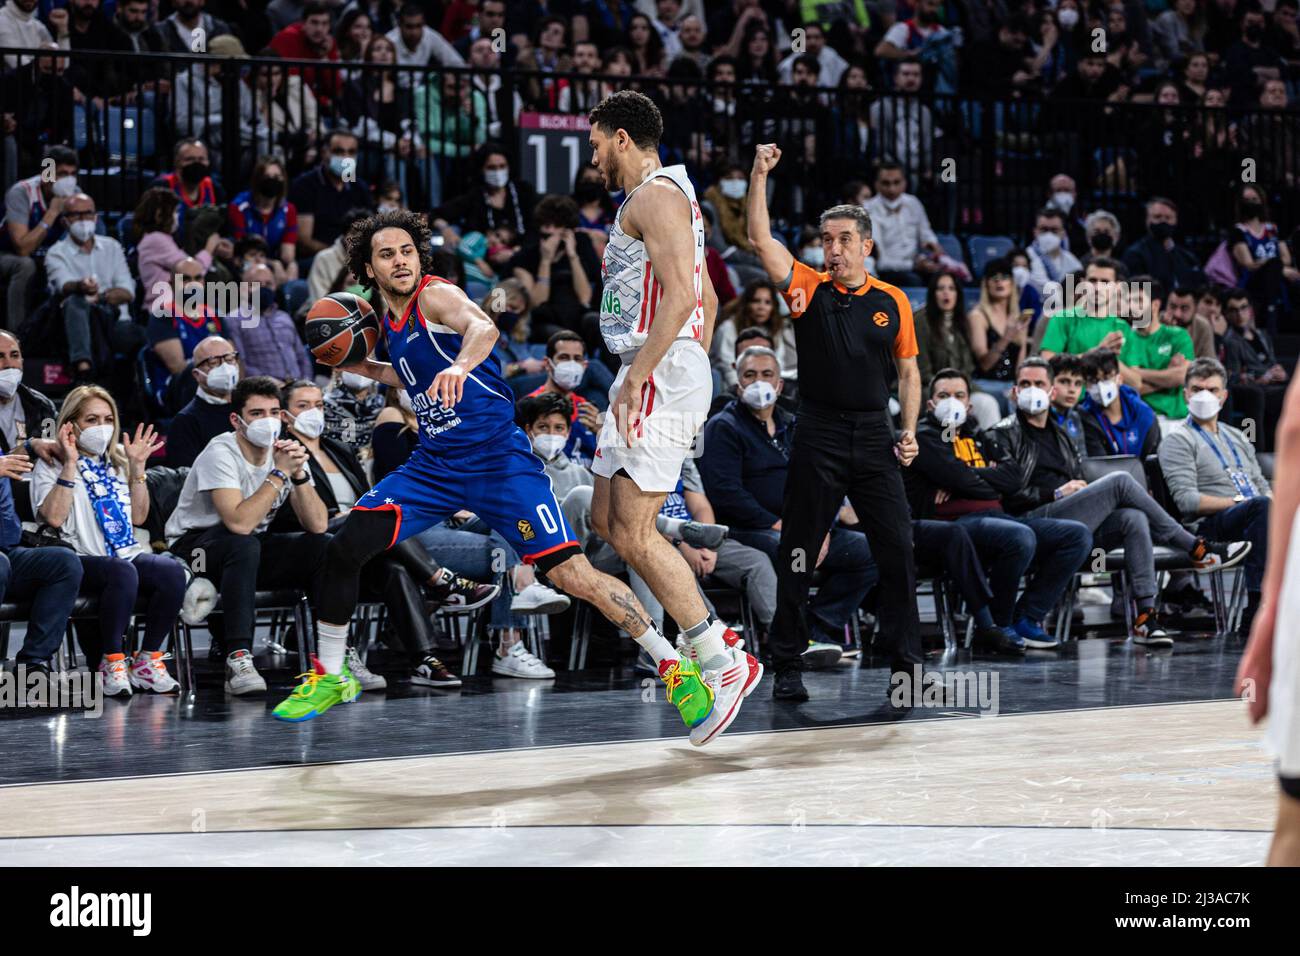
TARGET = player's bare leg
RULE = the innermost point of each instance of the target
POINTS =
(1285, 850)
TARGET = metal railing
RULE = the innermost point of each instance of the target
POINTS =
(981, 166)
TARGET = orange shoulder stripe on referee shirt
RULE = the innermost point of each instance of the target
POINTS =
(905, 340)
(804, 281)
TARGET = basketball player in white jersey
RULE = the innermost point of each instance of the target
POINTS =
(656, 314)
(1269, 675)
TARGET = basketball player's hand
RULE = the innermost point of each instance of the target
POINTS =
(907, 448)
(766, 156)
(1255, 671)
(627, 408)
(448, 386)
(14, 466)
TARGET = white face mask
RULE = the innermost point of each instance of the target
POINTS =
(81, 231)
(1063, 201)
(950, 411)
(1204, 405)
(95, 439)
(223, 378)
(1021, 276)
(734, 188)
(549, 446)
(1068, 18)
(814, 256)
(310, 423)
(1103, 392)
(263, 432)
(65, 186)
(1032, 400)
(1048, 242)
(496, 178)
(568, 374)
(759, 395)
(10, 378)
(355, 382)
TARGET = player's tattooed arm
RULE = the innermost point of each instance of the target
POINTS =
(448, 305)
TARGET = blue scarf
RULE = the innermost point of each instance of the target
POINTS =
(102, 488)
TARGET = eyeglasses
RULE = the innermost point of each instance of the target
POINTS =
(230, 358)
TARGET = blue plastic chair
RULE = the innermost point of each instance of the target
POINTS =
(984, 248)
(951, 245)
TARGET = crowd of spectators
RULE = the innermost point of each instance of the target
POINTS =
(172, 328)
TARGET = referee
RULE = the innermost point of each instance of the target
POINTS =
(848, 328)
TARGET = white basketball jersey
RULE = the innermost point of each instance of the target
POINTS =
(632, 292)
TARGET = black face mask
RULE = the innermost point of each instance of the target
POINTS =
(194, 173)
(266, 299)
(1252, 210)
(1160, 231)
(1103, 241)
(1253, 34)
(270, 187)
(588, 192)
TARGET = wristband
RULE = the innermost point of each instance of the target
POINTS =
(301, 481)
(277, 473)
(64, 483)
(27, 447)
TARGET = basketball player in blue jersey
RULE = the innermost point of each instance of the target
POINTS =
(471, 456)
(656, 314)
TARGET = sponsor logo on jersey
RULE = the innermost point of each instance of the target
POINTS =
(525, 529)
(880, 319)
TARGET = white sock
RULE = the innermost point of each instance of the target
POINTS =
(331, 644)
(657, 646)
(710, 649)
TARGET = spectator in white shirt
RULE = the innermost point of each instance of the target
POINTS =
(1049, 260)
(905, 246)
(832, 64)
(419, 44)
(664, 19)
(21, 29)
(91, 274)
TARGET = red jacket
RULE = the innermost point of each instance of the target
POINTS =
(290, 44)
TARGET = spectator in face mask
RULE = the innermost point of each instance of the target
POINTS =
(33, 222)
(90, 273)
(728, 197)
(264, 334)
(324, 196)
(1049, 260)
(216, 370)
(1063, 195)
(498, 200)
(26, 416)
(1158, 254)
(352, 403)
(1102, 231)
(1115, 419)
(566, 369)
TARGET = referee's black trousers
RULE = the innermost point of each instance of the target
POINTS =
(837, 454)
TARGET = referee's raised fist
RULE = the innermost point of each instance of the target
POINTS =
(766, 156)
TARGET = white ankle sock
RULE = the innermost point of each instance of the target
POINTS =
(657, 646)
(331, 644)
(710, 649)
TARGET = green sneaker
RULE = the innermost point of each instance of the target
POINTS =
(316, 694)
(687, 691)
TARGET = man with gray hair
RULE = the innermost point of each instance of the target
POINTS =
(853, 332)
(1214, 477)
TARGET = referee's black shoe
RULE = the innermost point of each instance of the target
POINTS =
(789, 685)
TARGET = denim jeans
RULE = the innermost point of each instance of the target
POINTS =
(1007, 548)
(477, 552)
(1060, 547)
(49, 578)
(1247, 521)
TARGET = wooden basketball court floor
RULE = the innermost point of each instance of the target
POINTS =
(1180, 783)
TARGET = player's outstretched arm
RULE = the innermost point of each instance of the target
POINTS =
(450, 306)
(775, 257)
(379, 371)
(1257, 661)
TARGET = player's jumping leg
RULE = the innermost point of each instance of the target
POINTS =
(364, 534)
(625, 515)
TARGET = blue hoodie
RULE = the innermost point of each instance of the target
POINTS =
(11, 529)
(1129, 436)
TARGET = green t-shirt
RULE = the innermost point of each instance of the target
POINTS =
(1153, 351)
(1072, 332)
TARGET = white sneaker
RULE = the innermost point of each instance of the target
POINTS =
(200, 599)
(367, 678)
(539, 599)
(820, 656)
(687, 650)
(116, 682)
(241, 676)
(149, 673)
(731, 686)
(520, 662)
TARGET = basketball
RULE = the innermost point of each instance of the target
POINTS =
(342, 329)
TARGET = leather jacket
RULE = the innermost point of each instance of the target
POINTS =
(1010, 434)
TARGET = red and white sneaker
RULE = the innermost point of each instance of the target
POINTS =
(687, 650)
(149, 673)
(731, 686)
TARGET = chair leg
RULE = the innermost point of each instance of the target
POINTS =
(942, 617)
(1216, 598)
(4, 641)
(1065, 616)
(1126, 590)
(300, 628)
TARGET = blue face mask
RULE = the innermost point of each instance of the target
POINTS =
(339, 165)
(507, 321)
(266, 299)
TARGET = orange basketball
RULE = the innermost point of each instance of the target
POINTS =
(342, 329)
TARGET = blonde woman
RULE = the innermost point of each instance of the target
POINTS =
(999, 332)
(93, 499)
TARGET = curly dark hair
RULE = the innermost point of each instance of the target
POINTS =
(357, 241)
(631, 111)
(556, 210)
(153, 213)
(533, 407)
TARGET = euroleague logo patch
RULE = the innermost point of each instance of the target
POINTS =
(525, 529)
(880, 319)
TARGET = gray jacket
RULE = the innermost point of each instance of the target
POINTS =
(1191, 469)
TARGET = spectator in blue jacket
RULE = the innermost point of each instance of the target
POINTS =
(1116, 421)
(48, 578)
(746, 449)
